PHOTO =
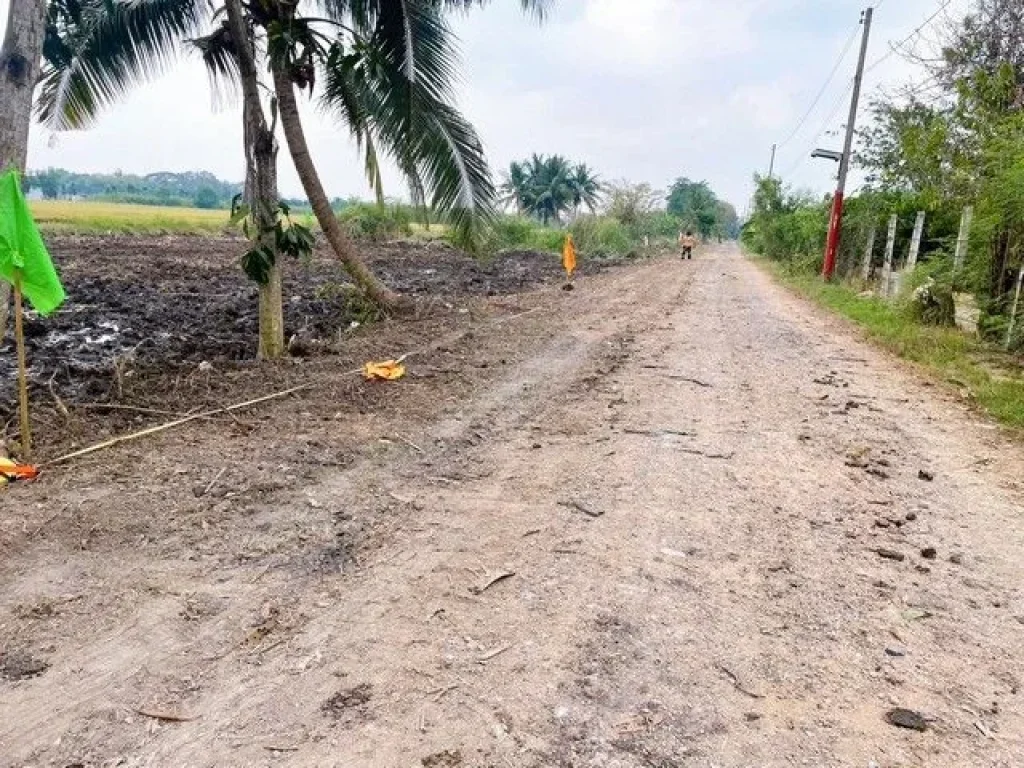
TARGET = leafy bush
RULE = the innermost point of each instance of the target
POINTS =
(931, 303)
(370, 221)
(601, 236)
(660, 225)
(518, 232)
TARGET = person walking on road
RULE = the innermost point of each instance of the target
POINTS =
(687, 242)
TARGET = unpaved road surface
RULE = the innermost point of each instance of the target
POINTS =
(680, 523)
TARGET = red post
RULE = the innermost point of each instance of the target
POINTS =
(835, 228)
(835, 224)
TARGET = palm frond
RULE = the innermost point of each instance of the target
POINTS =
(411, 121)
(411, 37)
(96, 50)
(218, 53)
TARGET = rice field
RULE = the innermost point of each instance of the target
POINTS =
(92, 217)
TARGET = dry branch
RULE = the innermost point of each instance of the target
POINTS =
(165, 716)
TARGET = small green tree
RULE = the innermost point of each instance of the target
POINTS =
(206, 198)
(694, 204)
(631, 203)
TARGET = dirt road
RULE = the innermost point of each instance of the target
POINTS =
(689, 521)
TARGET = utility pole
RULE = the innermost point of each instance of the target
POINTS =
(771, 166)
(835, 224)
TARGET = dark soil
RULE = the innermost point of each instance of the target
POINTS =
(17, 665)
(349, 699)
(144, 306)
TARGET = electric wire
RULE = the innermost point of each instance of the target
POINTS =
(828, 81)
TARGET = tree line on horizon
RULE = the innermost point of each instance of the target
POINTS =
(196, 189)
(556, 191)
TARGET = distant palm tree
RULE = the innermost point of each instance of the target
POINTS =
(548, 194)
(587, 189)
(514, 188)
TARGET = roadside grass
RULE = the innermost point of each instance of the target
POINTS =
(992, 379)
(92, 217)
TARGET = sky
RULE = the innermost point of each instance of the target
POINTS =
(643, 90)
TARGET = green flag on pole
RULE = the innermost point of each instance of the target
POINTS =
(23, 255)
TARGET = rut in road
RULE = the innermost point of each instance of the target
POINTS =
(654, 543)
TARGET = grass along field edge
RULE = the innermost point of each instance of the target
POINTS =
(991, 379)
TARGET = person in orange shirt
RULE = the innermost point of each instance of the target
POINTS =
(687, 242)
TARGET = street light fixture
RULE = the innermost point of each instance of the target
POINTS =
(827, 154)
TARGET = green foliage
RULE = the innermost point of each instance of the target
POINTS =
(387, 71)
(594, 236)
(268, 238)
(206, 198)
(658, 225)
(695, 205)
(785, 226)
(602, 236)
(358, 305)
(520, 233)
(632, 204)
(548, 188)
(165, 188)
(372, 221)
(964, 145)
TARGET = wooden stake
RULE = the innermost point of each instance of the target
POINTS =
(19, 338)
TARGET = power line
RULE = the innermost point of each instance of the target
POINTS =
(824, 87)
(924, 25)
(944, 4)
(833, 112)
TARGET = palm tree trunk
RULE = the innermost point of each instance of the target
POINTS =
(19, 70)
(260, 182)
(294, 134)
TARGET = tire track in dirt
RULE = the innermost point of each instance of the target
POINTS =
(688, 476)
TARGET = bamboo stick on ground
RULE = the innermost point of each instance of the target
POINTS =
(171, 424)
(19, 337)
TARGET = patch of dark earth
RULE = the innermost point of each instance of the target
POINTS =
(173, 302)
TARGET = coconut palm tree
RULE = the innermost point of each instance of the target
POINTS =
(387, 68)
(515, 187)
(19, 70)
(587, 189)
(549, 191)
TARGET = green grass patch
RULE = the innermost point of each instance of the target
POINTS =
(992, 377)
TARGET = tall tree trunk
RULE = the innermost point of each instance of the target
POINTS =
(19, 70)
(295, 136)
(260, 181)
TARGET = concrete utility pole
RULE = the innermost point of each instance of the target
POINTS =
(915, 242)
(771, 165)
(835, 224)
(890, 247)
(963, 239)
(869, 251)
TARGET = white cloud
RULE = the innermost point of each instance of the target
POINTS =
(655, 35)
(768, 105)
